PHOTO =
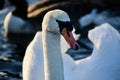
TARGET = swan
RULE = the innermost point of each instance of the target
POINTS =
(4, 12)
(20, 25)
(104, 63)
(101, 65)
(16, 21)
(33, 62)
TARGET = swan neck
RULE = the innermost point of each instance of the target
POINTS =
(52, 56)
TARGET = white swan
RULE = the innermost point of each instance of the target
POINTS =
(4, 12)
(33, 66)
(104, 63)
(14, 24)
(16, 21)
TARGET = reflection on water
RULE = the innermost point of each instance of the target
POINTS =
(11, 56)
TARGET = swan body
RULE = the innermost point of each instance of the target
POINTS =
(4, 12)
(33, 68)
(104, 63)
(14, 24)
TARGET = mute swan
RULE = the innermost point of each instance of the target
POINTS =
(104, 63)
(16, 21)
(33, 63)
(99, 66)
(4, 12)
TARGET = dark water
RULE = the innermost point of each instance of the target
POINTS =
(11, 56)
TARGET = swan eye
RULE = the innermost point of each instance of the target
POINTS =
(66, 24)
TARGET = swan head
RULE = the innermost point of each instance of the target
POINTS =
(58, 21)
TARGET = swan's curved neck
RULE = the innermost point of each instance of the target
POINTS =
(52, 56)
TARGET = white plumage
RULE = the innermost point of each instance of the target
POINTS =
(103, 64)
(33, 63)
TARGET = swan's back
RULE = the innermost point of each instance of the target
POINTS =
(106, 39)
(104, 63)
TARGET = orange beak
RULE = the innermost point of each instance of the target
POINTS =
(70, 39)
